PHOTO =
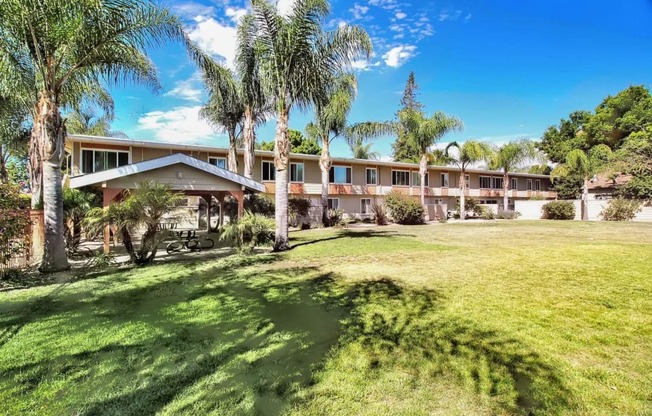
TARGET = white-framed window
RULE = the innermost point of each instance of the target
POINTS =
(485, 182)
(99, 160)
(340, 174)
(514, 183)
(537, 185)
(529, 184)
(467, 180)
(333, 203)
(400, 178)
(444, 180)
(416, 179)
(372, 176)
(269, 171)
(498, 183)
(220, 162)
(296, 172)
(365, 206)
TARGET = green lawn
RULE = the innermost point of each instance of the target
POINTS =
(496, 318)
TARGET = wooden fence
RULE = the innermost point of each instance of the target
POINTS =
(34, 235)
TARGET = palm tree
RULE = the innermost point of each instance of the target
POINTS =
(361, 150)
(423, 133)
(87, 120)
(299, 62)
(331, 122)
(508, 157)
(58, 52)
(467, 153)
(586, 165)
(225, 110)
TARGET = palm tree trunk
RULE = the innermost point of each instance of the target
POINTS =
(423, 167)
(462, 196)
(232, 161)
(505, 191)
(35, 169)
(585, 200)
(325, 166)
(281, 159)
(4, 177)
(249, 136)
(50, 130)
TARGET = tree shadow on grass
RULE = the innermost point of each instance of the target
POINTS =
(349, 234)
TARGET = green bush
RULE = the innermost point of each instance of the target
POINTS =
(640, 187)
(250, 231)
(620, 209)
(507, 214)
(334, 217)
(254, 203)
(404, 209)
(380, 214)
(485, 213)
(299, 211)
(559, 210)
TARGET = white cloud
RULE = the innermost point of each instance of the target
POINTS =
(180, 124)
(190, 10)
(363, 65)
(358, 11)
(215, 38)
(384, 4)
(398, 55)
(188, 89)
(235, 14)
(400, 15)
(284, 7)
(450, 15)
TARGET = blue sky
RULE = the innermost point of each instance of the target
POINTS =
(508, 69)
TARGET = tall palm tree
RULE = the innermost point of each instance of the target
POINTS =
(466, 154)
(508, 157)
(331, 122)
(59, 52)
(88, 120)
(423, 133)
(299, 62)
(225, 110)
(586, 165)
(361, 150)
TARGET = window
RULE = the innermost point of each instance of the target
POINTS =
(514, 183)
(296, 172)
(444, 180)
(488, 202)
(220, 162)
(333, 203)
(485, 182)
(416, 179)
(372, 176)
(400, 178)
(537, 185)
(340, 174)
(269, 171)
(529, 184)
(467, 180)
(498, 183)
(365, 206)
(99, 160)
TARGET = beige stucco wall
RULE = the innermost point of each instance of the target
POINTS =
(191, 179)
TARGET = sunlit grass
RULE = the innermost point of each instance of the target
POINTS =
(496, 318)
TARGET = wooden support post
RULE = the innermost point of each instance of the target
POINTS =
(239, 196)
(109, 195)
(209, 199)
(220, 199)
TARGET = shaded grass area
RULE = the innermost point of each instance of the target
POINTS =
(506, 318)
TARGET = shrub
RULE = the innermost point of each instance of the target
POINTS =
(620, 209)
(640, 187)
(250, 231)
(254, 203)
(299, 211)
(404, 209)
(559, 210)
(76, 204)
(470, 205)
(334, 217)
(380, 214)
(485, 213)
(14, 220)
(507, 214)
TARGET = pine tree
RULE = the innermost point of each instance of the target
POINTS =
(402, 150)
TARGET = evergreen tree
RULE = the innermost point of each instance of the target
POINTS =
(403, 150)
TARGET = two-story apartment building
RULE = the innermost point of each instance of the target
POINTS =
(355, 184)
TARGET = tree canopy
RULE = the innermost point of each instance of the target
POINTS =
(403, 148)
(298, 144)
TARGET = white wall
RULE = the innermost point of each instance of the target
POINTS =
(531, 210)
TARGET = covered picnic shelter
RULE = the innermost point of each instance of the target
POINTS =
(182, 172)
